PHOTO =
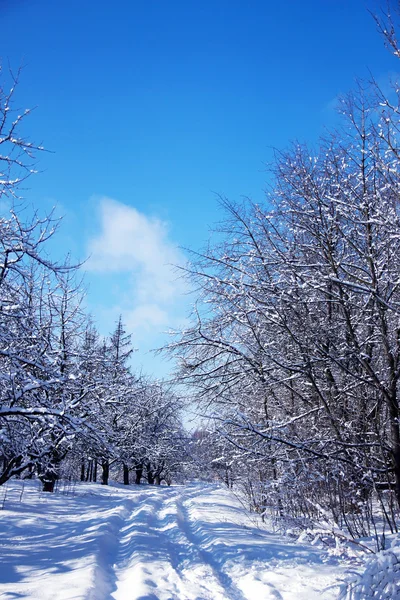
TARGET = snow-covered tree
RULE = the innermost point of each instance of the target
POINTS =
(294, 343)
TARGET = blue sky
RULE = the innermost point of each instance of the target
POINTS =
(152, 108)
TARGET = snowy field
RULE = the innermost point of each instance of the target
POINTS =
(189, 542)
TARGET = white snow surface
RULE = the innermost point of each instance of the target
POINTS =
(193, 542)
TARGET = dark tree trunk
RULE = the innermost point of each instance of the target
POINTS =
(95, 471)
(139, 474)
(126, 474)
(227, 478)
(158, 472)
(396, 461)
(48, 485)
(48, 479)
(395, 431)
(88, 470)
(18, 465)
(83, 469)
(150, 476)
(105, 465)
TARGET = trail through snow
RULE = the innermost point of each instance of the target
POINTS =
(193, 542)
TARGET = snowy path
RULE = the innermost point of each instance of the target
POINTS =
(192, 542)
(162, 557)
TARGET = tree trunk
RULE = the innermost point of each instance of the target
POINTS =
(105, 465)
(395, 429)
(83, 469)
(139, 474)
(18, 464)
(95, 471)
(48, 485)
(49, 479)
(157, 480)
(227, 479)
(88, 470)
(126, 474)
(150, 476)
(396, 458)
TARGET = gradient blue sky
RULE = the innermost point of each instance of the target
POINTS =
(151, 108)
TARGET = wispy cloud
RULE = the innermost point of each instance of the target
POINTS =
(138, 248)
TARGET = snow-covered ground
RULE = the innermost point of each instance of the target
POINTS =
(191, 542)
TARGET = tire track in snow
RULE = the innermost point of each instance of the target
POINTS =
(232, 592)
(144, 563)
(107, 548)
(151, 543)
(161, 559)
(185, 556)
(108, 539)
(151, 549)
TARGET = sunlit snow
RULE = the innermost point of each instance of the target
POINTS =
(189, 542)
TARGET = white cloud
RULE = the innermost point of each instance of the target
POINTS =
(136, 247)
(147, 315)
